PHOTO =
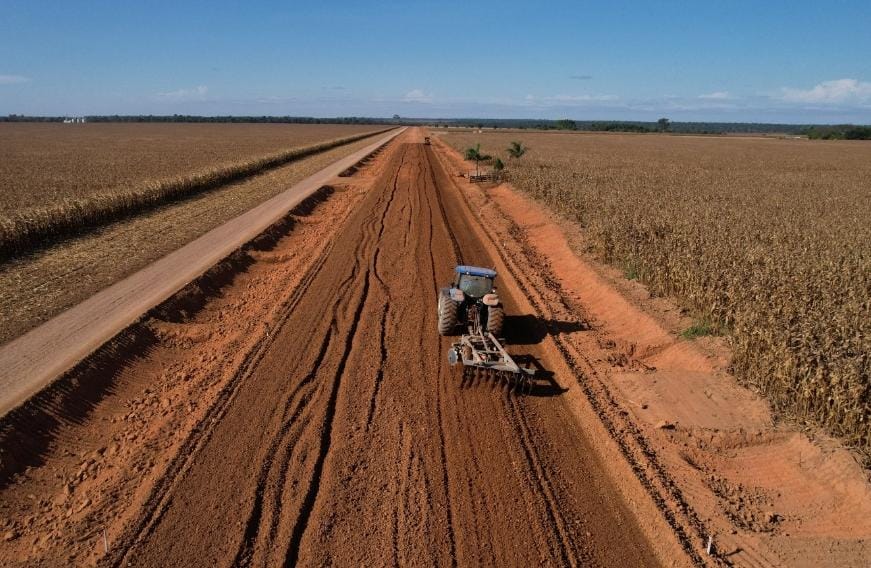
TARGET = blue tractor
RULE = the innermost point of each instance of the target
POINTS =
(470, 304)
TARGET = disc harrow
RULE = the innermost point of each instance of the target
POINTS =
(484, 359)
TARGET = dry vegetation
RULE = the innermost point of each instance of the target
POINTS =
(41, 164)
(37, 286)
(59, 179)
(766, 241)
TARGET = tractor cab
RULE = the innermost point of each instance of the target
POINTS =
(471, 302)
(475, 282)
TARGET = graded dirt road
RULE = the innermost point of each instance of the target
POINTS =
(352, 442)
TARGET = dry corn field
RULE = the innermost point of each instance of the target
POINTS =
(58, 179)
(766, 241)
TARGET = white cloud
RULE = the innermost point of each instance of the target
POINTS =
(580, 98)
(568, 100)
(268, 100)
(716, 96)
(417, 96)
(837, 91)
(195, 94)
(13, 79)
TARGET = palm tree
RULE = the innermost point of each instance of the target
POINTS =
(498, 166)
(475, 154)
(517, 149)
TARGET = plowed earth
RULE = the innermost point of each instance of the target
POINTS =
(295, 407)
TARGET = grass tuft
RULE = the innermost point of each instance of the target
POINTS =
(632, 272)
(698, 329)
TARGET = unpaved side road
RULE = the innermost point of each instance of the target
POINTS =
(30, 362)
(350, 440)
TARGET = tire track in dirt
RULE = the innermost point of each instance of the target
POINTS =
(442, 381)
(543, 485)
(362, 255)
(326, 439)
(252, 526)
(298, 417)
(386, 292)
(445, 379)
(536, 475)
(199, 435)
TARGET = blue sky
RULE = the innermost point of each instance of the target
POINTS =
(710, 60)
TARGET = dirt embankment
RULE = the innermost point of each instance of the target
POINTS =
(296, 407)
(709, 450)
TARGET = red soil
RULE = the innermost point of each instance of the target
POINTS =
(768, 494)
(295, 406)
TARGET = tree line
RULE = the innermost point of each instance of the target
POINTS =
(196, 118)
(839, 132)
(825, 132)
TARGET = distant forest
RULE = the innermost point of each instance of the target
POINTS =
(825, 132)
(840, 132)
(196, 118)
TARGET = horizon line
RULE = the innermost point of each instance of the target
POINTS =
(45, 117)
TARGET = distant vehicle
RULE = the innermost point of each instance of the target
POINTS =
(426, 140)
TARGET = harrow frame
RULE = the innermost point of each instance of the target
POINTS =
(481, 353)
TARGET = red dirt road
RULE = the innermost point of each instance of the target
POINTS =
(352, 444)
(343, 438)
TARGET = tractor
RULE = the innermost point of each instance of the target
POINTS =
(470, 302)
(472, 305)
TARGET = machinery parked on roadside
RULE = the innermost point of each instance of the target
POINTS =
(471, 305)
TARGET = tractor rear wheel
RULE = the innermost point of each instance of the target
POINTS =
(495, 320)
(447, 315)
